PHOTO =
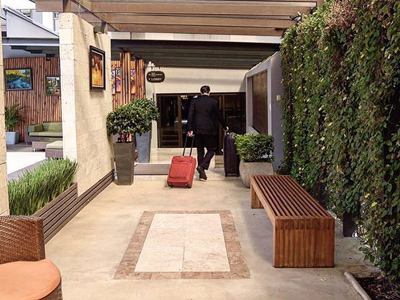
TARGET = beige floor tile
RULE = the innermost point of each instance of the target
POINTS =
(164, 237)
(167, 259)
(169, 221)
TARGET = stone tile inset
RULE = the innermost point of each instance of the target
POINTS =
(184, 245)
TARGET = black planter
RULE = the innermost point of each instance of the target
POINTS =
(349, 224)
(125, 162)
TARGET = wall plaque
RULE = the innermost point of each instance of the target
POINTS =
(155, 76)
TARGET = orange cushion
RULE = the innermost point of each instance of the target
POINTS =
(28, 280)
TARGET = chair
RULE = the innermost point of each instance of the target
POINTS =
(24, 271)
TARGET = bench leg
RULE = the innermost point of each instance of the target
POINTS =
(255, 203)
(304, 243)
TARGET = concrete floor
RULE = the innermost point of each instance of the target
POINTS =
(20, 158)
(90, 248)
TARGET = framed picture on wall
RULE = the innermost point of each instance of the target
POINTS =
(113, 82)
(18, 79)
(97, 69)
(133, 81)
(118, 86)
(53, 86)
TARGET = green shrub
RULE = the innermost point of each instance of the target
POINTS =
(126, 120)
(341, 69)
(13, 116)
(149, 108)
(255, 147)
(34, 189)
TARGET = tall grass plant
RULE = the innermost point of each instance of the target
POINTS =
(34, 189)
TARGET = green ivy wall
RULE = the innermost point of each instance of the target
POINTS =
(341, 113)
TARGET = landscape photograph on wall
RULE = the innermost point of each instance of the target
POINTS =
(18, 79)
(53, 86)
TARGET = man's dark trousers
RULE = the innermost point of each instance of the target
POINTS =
(211, 143)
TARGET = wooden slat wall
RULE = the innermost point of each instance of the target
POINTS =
(38, 106)
(125, 96)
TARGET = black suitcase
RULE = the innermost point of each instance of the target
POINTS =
(231, 158)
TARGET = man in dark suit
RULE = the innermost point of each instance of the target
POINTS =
(203, 119)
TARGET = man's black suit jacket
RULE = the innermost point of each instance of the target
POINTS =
(204, 116)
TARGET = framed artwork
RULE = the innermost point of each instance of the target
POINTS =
(18, 79)
(118, 86)
(97, 69)
(113, 82)
(53, 86)
(133, 81)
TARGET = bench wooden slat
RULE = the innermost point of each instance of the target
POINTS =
(278, 197)
(272, 198)
(286, 198)
(304, 232)
(297, 204)
(310, 199)
(307, 207)
(274, 206)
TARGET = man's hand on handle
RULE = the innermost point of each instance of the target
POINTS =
(190, 134)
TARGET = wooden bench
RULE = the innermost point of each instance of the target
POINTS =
(304, 232)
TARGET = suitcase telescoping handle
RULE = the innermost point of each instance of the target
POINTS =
(191, 147)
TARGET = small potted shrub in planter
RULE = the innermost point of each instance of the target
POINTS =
(143, 138)
(255, 152)
(125, 121)
(12, 116)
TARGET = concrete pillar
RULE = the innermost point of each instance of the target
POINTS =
(4, 210)
(84, 111)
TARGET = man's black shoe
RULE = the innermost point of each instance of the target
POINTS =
(202, 173)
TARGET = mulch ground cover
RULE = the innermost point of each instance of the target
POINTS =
(379, 288)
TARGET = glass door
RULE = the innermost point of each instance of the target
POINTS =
(174, 113)
(169, 125)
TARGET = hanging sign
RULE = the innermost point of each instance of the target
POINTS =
(155, 76)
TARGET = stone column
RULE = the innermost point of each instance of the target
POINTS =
(84, 111)
(4, 210)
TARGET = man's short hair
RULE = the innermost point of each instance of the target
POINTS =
(205, 89)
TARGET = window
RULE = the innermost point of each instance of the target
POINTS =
(260, 102)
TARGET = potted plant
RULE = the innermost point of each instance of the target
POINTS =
(12, 117)
(143, 137)
(255, 152)
(125, 121)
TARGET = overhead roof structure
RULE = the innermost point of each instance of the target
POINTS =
(186, 54)
(22, 33)
(231, 17)
(265, 19)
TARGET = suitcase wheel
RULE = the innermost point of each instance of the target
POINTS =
(187, 186)
(170, 185)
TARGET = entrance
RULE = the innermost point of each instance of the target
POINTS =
(174, 112)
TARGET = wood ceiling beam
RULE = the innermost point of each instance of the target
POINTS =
(237, 58)
(197, 45)
(197, 21)
(199, 30)
(205, 65)
(67, 6)
(192, 53)
(262, 9)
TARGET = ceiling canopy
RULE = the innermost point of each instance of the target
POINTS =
(223, 17)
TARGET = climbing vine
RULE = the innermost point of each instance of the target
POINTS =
(341, 112)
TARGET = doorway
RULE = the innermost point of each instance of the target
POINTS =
(174, 112)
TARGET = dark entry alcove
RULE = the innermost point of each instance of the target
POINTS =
(174, 111)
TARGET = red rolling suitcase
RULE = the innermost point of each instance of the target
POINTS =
(181, 172)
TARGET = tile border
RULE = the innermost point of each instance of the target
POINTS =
(237, 262)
